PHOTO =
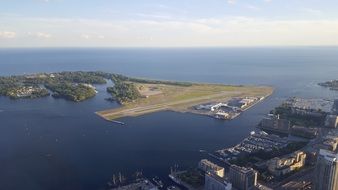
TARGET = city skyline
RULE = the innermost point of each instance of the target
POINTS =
(163, 23)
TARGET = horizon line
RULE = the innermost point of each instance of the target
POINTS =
(169, 47)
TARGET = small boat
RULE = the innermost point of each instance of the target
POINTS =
(158, 182)
(174, 179)
(118, 122)
(173, 188)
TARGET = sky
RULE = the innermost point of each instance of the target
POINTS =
(168, 23)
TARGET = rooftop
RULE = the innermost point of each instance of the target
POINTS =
(212, 165)
(242, 169)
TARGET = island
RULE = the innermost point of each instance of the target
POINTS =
(135, 95)
(333, 84)
(73, 86)
(143, 96)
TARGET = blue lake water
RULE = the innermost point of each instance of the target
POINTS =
(56, 144)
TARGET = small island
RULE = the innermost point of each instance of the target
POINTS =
(333, 84)
(73, 86)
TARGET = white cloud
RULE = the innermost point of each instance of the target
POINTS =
(43, 35)
(231, 1)
(43, 1)
(7, 34)
(85, 36)
(252, 7)
(49, 1)
(154, 16)
(39, 35)
(311, 11)
(226, 31)
(46, 1)
(92, 36)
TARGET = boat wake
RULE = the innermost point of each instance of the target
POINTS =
(118, 122)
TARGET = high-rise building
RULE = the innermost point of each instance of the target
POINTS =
(335, 107)
(286, 164)
(331, 121)
(214, 182)
(329, 143)
(208, 166)
(326, 174)
(242, 178)
(275, 123)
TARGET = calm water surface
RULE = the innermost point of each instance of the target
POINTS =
(57, 144)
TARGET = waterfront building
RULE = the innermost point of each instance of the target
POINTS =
(218, 106)
(331, 121)
(309, 107)
(275, 123)
(242, 178)
(214, 182)
(297, 185)
(304, 132)
(329, 143)
(142, 184)
(335, 107)
(210, 167)
(245, 102)
(222, 115)
(284, 165)
(204, 107)
(242, 103)
(267, 122)
(326, 173)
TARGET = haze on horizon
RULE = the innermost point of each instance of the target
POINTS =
(168, 23)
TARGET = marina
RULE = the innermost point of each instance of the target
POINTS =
(158, 182)
(143, 184)
(257, 141)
